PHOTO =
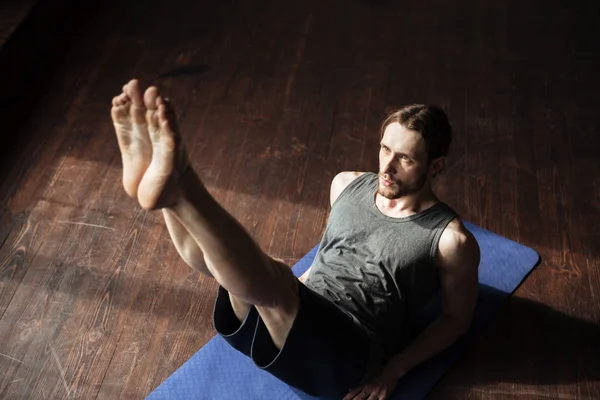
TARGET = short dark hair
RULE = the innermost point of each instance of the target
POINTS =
(430, 121)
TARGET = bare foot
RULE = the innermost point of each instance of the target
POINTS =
(159, 185)
(129, 118)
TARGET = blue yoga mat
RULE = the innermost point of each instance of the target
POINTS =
(218, 372)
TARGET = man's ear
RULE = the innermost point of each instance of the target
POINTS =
(437, 165)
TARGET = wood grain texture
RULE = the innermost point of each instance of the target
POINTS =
(273, 100)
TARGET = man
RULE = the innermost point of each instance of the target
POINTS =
(344, 327)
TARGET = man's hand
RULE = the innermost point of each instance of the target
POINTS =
(379, 388)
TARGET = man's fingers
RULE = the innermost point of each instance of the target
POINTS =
(352, 394)
(374, 395)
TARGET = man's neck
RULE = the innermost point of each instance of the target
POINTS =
(406, 205)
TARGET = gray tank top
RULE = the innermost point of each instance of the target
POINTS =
(378, 268)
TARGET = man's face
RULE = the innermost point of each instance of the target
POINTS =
(403, 162)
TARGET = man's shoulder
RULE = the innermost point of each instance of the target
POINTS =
(457, 246)
(341, 181)
(346, 177)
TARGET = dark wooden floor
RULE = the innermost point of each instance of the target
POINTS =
(12, 13)
(274, 99)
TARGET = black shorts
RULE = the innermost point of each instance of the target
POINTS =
(327, 351)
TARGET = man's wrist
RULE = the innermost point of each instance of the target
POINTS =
(398, 366)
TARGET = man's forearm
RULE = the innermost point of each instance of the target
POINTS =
(439, 335)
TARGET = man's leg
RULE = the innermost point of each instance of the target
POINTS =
(165, 181)
(193, 256)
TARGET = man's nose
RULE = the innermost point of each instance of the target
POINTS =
(387, 167)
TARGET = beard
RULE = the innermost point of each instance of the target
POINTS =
(399, 189)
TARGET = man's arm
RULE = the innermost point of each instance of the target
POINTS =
(458, 262)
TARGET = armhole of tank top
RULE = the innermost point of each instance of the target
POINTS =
(438, 235)
(349, 187)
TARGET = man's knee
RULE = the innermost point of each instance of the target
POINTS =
(279, 318)
(285, 285)
(240, 308)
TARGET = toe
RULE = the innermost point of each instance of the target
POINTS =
(162, 114)
(138, 111)
(166, 106)
(150, 97)
(168, 134)
(135, 93)
(168, 116)
(120, 113)
(122, 99)
(152, 123)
